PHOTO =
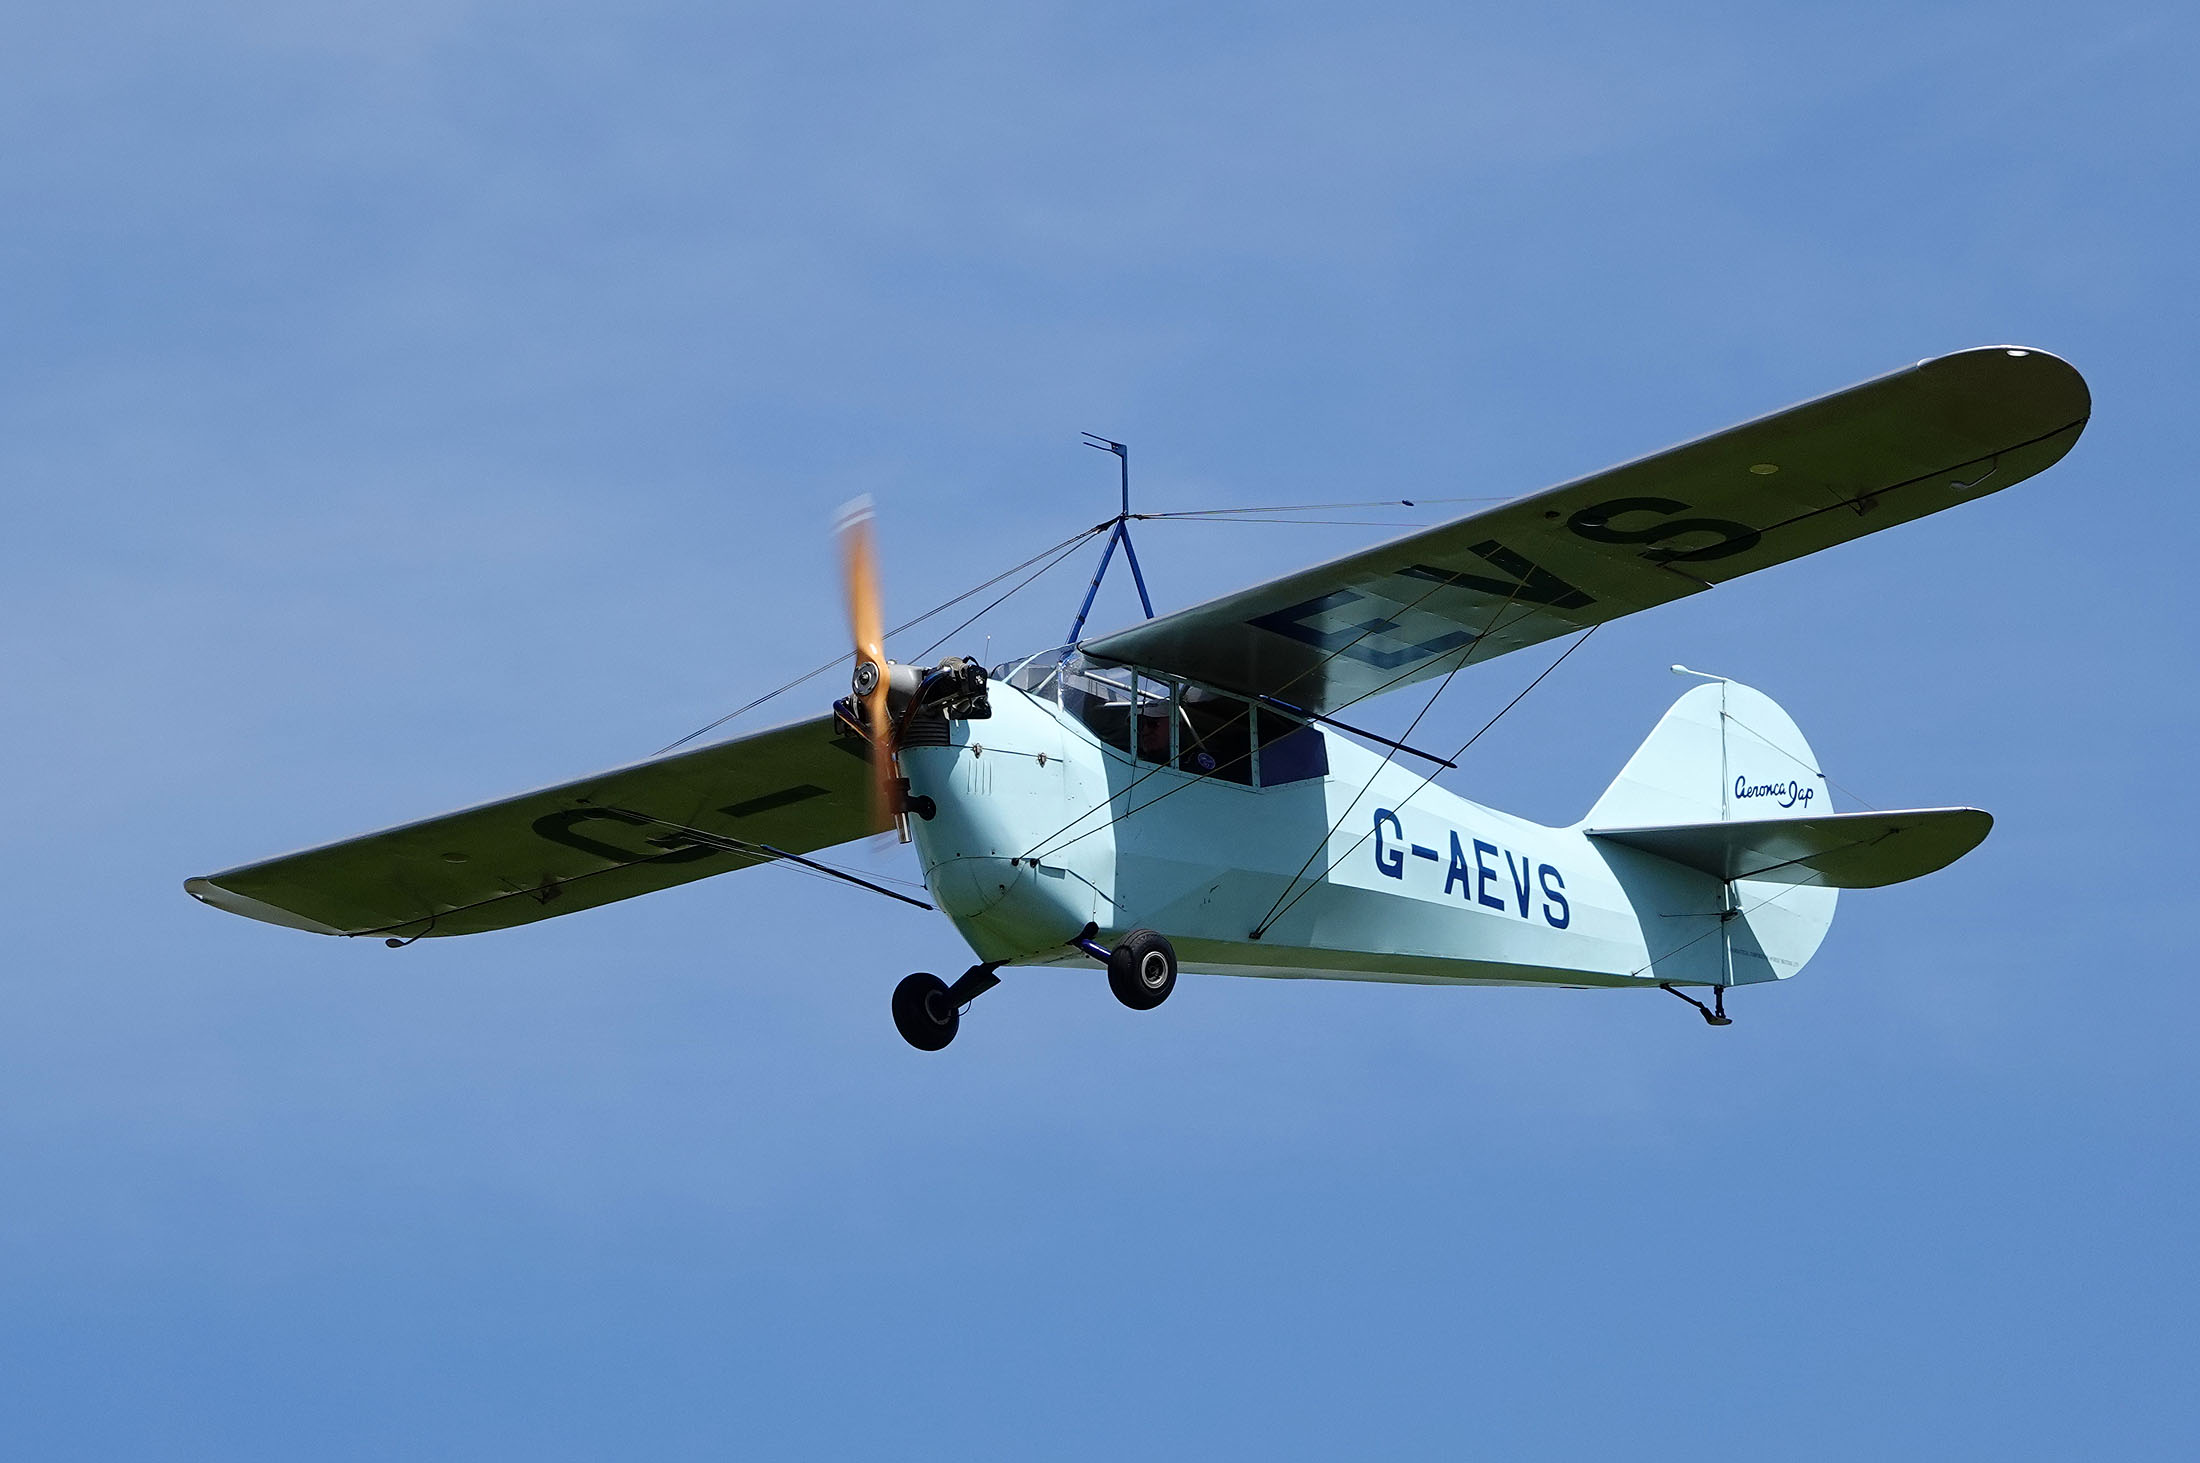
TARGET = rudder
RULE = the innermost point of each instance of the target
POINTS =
(1726, 751)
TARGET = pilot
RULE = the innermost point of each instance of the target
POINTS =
(1153, 732)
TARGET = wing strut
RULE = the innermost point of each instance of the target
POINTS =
(1121, 534)
(747, 849)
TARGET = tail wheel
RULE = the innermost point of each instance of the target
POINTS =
(923, 1012)
(1142, 970)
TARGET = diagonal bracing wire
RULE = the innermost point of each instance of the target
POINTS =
(1389, 756)
(1325, 522)
(1036, 849)
(1134, 783)
(1066, 550)
(1268, 921)
(1814, 771)
(1722, 915)
(1313, 507)
(1180, 787)
(1068, 544)
(1064, 546)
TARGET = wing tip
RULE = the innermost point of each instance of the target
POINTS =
(207, 892)
(1976, 824)
(2040, 374)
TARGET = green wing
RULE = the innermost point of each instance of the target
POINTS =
(1940, 433)
(629, 831)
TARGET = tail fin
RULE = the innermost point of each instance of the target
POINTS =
(1723, 753)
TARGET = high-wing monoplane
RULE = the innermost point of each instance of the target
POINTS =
(1183, 790)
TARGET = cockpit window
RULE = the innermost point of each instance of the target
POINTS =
(1103, 701)
(1214, 735)
(1155, 700)
(1290, 750)
(1194, 729)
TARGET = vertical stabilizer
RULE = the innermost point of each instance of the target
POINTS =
(1726, 752)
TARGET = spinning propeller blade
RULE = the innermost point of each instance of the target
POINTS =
(859, 571)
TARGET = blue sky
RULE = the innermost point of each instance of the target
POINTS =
(400, 409)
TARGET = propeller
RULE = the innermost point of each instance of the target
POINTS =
(859, 576)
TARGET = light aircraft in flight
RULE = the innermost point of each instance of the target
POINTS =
(1182, 791)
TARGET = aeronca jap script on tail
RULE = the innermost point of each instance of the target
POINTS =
(1476, 872)
(1789, 794)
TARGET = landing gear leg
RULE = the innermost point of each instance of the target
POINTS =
(975, 982)
(928, 1011)
(1141, 970)
(1713, 1014)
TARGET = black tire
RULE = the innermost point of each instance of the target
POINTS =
(921, 1012)
(1142, 970)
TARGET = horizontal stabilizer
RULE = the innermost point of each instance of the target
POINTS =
(1836, 850)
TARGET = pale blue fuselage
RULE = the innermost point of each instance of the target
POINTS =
(1042, 829)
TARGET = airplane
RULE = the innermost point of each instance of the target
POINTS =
(1183, 790)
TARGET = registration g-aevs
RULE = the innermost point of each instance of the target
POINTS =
(1182, 791)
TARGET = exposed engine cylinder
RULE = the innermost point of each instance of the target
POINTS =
(920, 699)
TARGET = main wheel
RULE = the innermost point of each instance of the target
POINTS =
(922, 1013)
(1142, 970)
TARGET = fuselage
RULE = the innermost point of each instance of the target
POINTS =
(1324, 859)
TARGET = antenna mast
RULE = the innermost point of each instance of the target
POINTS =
(1122, 535)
